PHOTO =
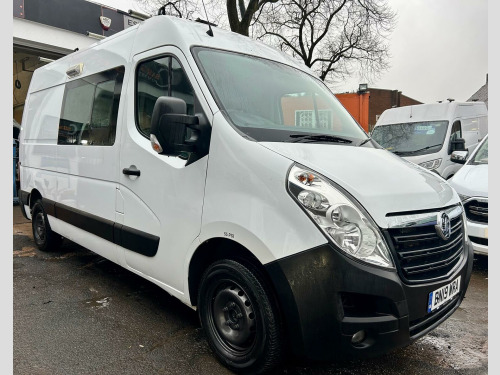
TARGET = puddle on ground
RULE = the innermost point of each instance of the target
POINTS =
(26, 251)
(466, 352)
(62, 256)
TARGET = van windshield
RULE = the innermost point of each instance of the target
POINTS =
(270, 101)
(417, 138)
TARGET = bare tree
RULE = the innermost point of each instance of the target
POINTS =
(178, 8)
(333, 37)
(241, 13)
(237, 15)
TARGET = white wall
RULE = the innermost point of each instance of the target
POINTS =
(36, 35)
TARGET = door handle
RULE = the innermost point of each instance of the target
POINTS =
(131, 172)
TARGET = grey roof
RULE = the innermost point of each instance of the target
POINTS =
(481, 95)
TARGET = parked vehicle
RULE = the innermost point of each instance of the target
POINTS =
(427, 134)
(471, 184)
(225, 172)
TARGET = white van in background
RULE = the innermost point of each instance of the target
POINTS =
(427, 134)
(228, 174)
(471, 184)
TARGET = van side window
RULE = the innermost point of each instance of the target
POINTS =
(160, 77)
(456, 130)
(90, 109)
(181, 88)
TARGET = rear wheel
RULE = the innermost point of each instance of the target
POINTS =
(240, 319)
(45, 238)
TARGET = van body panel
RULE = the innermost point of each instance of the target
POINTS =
(472, 180)
(151, 201)
(92, 242)
(40, 179)
(246, 183)
(93, 196)
(378, 195)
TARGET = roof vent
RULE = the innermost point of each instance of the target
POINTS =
(450, 100)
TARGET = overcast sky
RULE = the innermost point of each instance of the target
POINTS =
(439, 49)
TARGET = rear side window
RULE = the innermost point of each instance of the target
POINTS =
(90, 109)
(162, 76)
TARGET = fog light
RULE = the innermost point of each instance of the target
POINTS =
(358, 337)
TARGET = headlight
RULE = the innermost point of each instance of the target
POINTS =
(342, 220)
(431, 164)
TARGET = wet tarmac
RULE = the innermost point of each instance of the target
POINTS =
(78, 313)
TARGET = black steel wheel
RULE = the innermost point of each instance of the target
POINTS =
(45, 238)
(240, 317)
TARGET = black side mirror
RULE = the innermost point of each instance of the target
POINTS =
(457, 145)
(170, 127)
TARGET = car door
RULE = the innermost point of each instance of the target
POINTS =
(159, 199)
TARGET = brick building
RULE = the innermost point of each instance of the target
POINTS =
(369, 103)
(481, 95)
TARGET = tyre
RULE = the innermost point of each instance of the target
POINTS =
(45, 238)
(240, 319)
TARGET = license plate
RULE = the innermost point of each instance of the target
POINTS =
(442, 295)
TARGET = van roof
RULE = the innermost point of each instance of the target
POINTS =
(432, 112)
(152, 33)
(185, 34)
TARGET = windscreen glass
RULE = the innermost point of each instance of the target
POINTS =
(411, 138)
(269, 101)
(481, 156)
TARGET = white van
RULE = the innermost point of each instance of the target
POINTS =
(471, 184)
(226, 173)
(427, 134)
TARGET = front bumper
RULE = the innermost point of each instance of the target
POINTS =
(478, 236)
(326, 297)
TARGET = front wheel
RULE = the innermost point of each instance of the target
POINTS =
(240, 318)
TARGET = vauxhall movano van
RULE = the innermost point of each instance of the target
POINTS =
(226, 173)
(427, 134)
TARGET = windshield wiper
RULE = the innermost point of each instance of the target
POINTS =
(415, 151)
(319, 137)
(365, 141)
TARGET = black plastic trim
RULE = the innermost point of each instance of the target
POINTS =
(132, 239)
(24, 199)
(23, 196)
(310, 285)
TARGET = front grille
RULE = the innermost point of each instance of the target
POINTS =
(422, 255)
(477, 210)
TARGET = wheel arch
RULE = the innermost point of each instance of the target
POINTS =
(33, 197)
(215, 249)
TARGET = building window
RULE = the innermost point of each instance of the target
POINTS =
(90, 109)
(306, 118)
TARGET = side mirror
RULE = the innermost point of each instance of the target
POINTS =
(459, 157)
(457, 145)
(169, 125)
